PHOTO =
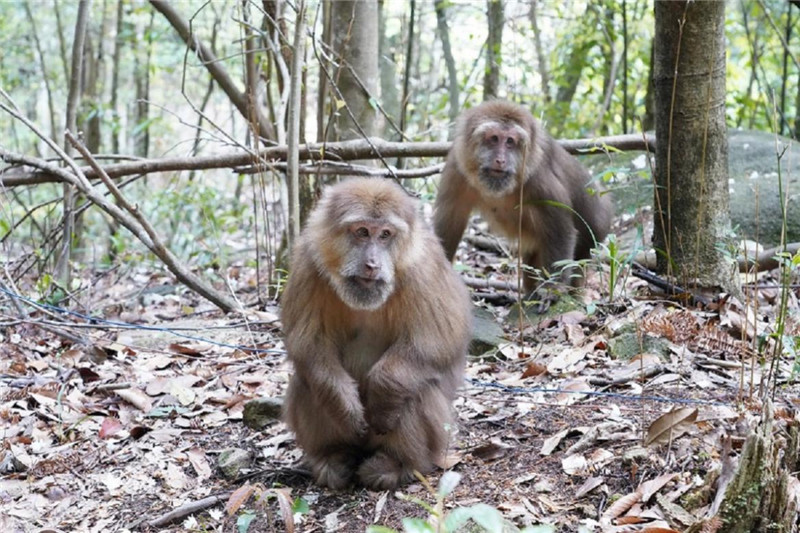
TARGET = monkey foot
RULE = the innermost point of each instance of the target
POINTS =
(334, 471)
(381, 472)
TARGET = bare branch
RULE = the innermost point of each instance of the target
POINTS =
(373, 148)
(211, 63)
(186, 276)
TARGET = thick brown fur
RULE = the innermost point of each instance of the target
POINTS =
(372, 387)
(473, 178)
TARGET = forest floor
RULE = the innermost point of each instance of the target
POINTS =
(616, 417)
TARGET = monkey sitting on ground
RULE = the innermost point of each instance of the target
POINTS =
(499, 148)
(377, 325)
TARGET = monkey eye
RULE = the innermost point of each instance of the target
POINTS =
(361, 232)
(510, 142)
(385, 234)
(494, 139)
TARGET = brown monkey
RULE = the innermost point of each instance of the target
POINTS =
(499, 147)
(377, 325)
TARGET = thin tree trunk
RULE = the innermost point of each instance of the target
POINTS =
(116, 57)
(449, 61)
(45, 75)
(494, 42)
(785, 77)
(292, 174)
(141, 69)
(62, 42)
(63, 271)
(692, 197)
(541, 58)
(409, 59)
(390, 99)
(624, 66)
(322, 89)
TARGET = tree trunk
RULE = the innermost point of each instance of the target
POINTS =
(63, 271)
(355, 41)
(141, 68)
(450, 62)
(692, 199)
(494, 42)
(649, 119)
(541, 58)
(117, 54)
(409, 60)
(390, 99)
(45, 75)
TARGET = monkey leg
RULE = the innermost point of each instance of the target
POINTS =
(419, 439)
(333, 449)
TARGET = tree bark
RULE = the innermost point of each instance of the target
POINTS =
(40, 55)
(355, 41)
(63, 272)
(692, 197)
(117, 54)
(449, 61)
(390, 99)
(409, 60)
(541, 58)
(141, 68)
(292, 175)
(494, 42)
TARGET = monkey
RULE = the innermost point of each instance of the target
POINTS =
(377, 325)
(500, 148)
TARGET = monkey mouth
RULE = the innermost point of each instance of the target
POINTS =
(364, 293)
(496, 181)
(367, 283)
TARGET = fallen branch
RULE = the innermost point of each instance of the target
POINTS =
(188, 508)
(373, 148)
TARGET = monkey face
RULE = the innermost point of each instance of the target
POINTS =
(367, 272)
(500, 152)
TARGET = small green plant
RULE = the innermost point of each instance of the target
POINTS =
(618, 261)
(483, 516)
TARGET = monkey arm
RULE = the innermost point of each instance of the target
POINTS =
(454, 203)
(431, 352)
(398, 378)
(318, 365)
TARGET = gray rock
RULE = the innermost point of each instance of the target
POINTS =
(232, 461)
(262, 412)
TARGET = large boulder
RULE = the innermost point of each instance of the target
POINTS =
(753, 171)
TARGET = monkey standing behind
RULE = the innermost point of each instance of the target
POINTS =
(499, 147)
(377, 325)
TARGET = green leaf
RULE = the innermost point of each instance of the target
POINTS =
(486, 516)
(300, 506)
(543, 528)
(417, 525)
(448, 482)
(243, 521)
(380, 529)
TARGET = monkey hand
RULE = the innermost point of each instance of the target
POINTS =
(383, 410)
(354, 416)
